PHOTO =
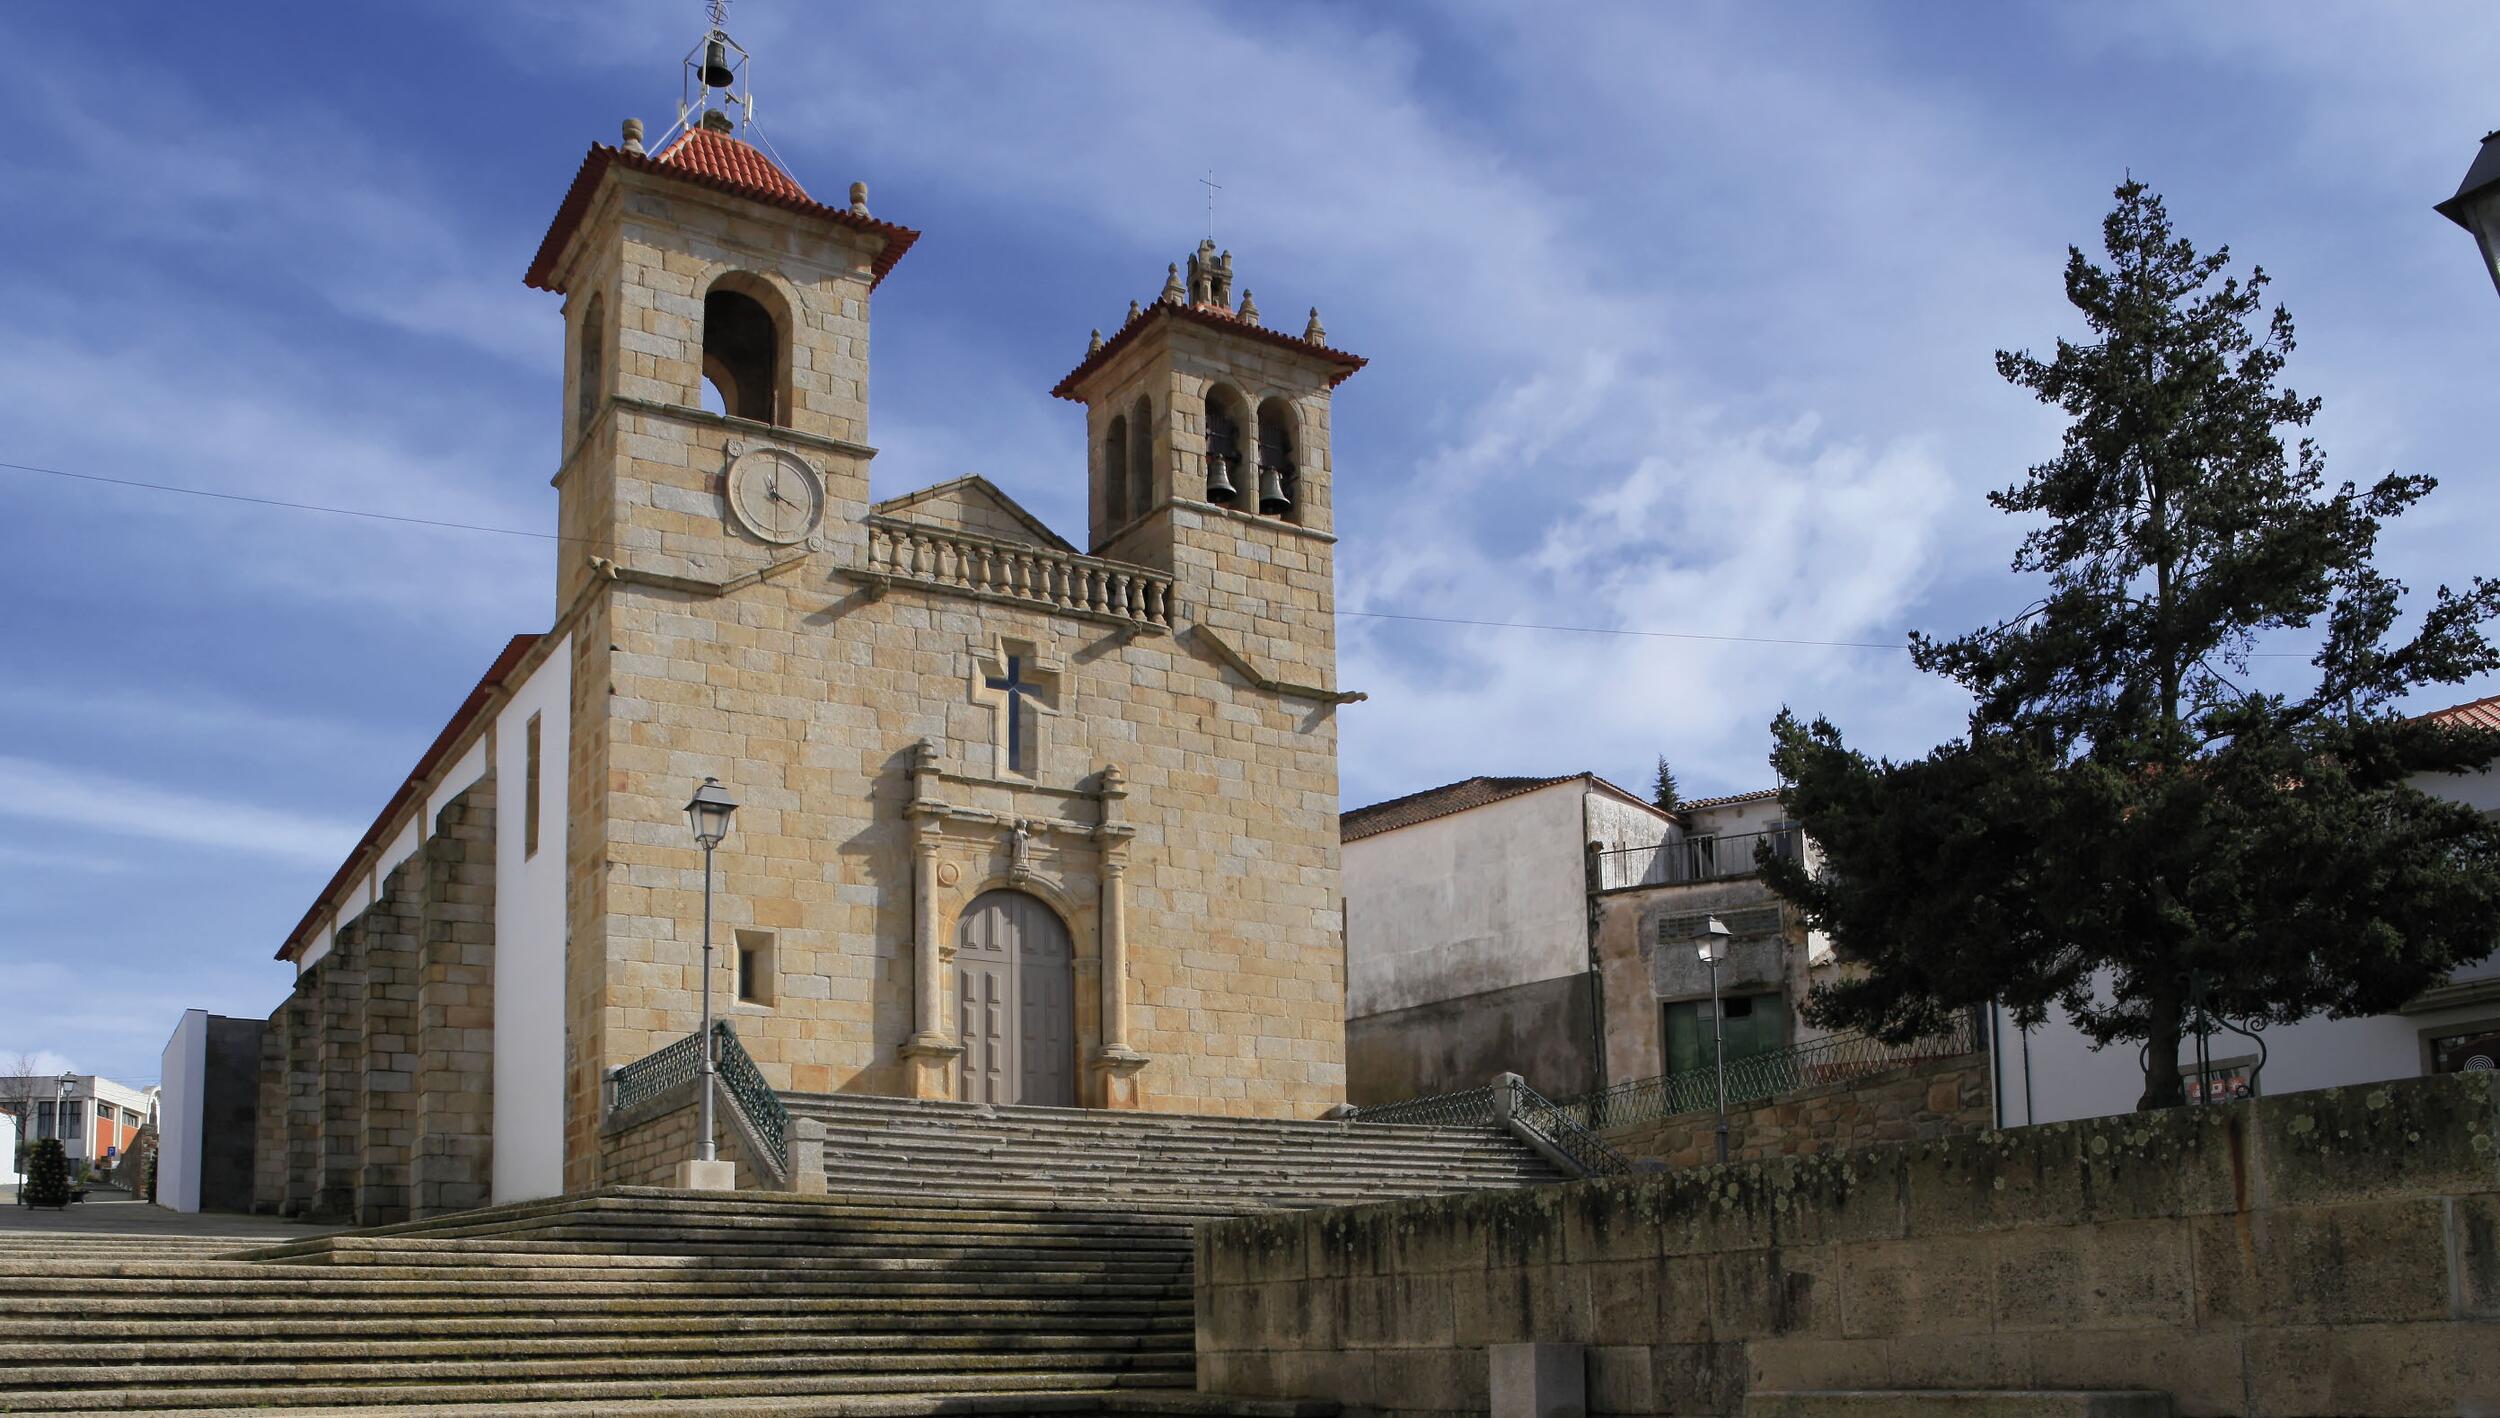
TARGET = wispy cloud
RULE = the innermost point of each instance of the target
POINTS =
(56, 796)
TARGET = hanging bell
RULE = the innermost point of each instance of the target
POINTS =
(1273, 500)
(716, 71)
(1220, 487)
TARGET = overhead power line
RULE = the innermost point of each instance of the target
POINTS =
(280, 502)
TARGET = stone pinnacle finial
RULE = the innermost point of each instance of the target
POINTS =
(1093, 346)
(633, 135)
(1133, 313)
(717, 120)
(1315, 332)
(1173, 293)
(1249, 306)
(859, 199)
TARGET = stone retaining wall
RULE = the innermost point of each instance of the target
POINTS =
(643, 1148)
(2335, 1252)
(1917, 1102)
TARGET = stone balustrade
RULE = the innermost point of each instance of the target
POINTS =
(911, 553)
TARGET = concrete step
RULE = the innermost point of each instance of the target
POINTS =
(294, 1352)
(277, 1332)
(1960, 1403)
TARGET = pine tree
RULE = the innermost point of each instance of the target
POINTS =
(2126, 814)
(1663, 792)
(47, 1173)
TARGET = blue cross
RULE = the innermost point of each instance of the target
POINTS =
(1015, 687)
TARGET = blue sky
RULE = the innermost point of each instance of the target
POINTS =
(1680, 318)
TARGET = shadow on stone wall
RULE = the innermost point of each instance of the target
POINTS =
(2327, 1252)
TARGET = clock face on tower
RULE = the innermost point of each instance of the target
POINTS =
(774, 495)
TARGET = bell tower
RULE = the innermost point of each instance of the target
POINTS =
(1208, 457)
(714, 311)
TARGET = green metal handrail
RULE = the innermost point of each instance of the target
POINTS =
(745, 1085)
(1565, 1133)
(1472, 1107)
(1757, 1077)
(679, 1064)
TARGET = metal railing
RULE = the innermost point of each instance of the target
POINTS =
(1554, 1125)
(1757, 1077)
(1472, 1107)
(680, 1064)
(1691, 859)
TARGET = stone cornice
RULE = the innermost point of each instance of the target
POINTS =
(1241, 665)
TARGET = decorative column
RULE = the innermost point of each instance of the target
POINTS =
(929, 1054)
(1115, 1064)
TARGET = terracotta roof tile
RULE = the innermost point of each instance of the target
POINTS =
(1214, 317)
(2481, 713)
(723, 164)
(720, 156)
(1436, 802)
(1756, 796)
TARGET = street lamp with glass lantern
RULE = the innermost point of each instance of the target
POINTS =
(2476, 205)
(1712, 945)
(708, 813)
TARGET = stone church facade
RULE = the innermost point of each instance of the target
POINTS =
(1019, 822)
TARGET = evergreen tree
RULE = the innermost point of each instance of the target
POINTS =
(47, 1173)
(2126, 812)
(1662, 792)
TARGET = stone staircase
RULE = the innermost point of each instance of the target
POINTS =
(628, 1303)
(1212, 1166)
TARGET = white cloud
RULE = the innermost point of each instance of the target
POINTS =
(55, 797)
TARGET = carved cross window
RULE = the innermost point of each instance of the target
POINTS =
(1020, 685)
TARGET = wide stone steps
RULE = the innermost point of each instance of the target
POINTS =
(1148, 1402)
(1016, 1154)
(700, 1302)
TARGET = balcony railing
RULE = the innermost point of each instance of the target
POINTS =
(964, 561)
(1690, 859)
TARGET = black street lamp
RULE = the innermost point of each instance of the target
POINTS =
(2476, 207)
(1712, 944)
(60, 1111)
(708, 812)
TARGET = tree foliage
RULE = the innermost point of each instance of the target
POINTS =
(47, 1173)
(1662, 791)
(2126, 810)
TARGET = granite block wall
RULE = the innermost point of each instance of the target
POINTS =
(2335, 1252)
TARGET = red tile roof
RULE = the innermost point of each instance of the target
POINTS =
(2481, 713)
(1455, 798)
(719, 156)
(1756, 796)
(415, 786)
(722, 164)
(1215, 317)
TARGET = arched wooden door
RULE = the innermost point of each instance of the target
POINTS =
(1015, 1003)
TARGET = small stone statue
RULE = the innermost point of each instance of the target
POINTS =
(1020, 851)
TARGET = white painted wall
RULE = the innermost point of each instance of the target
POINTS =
(181, 1108)
(8, 1149)
(1486, 899)
(529, 936)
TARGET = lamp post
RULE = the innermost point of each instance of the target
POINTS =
(2476, 205)
(708, 812)
(60, 1111)
(1712, 944)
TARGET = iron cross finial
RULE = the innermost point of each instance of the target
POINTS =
(1213, 187)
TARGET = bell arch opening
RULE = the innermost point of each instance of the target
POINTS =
(746, 349)
(1280, 478)
(1224, 416)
